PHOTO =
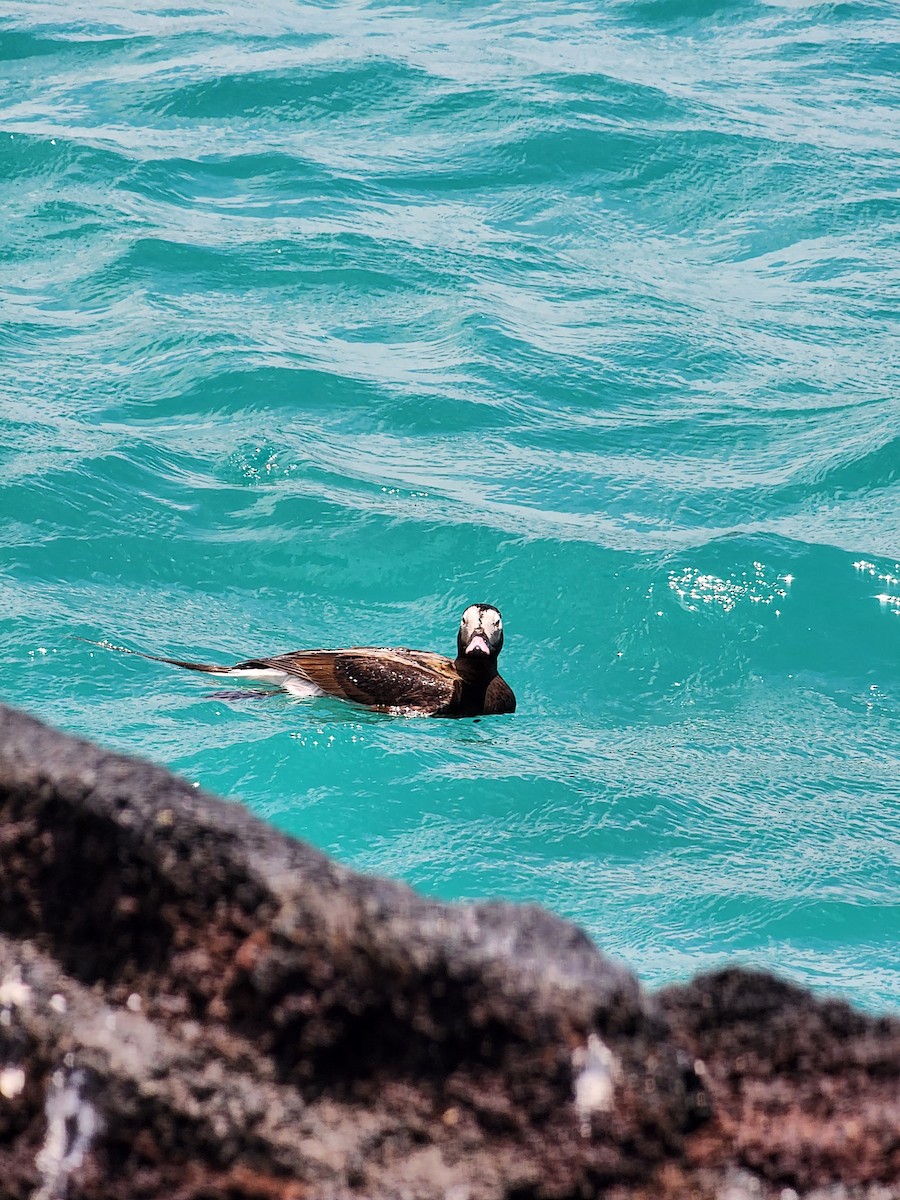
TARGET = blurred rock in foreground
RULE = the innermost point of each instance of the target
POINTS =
(194, 1005)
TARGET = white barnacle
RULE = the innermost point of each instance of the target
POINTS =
(13, 992)
(12, 1082)
(598, 1072)
(72, 1124)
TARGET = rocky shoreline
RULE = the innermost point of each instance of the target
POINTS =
(193, 1004)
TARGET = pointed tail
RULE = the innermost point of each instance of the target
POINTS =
(206, 668)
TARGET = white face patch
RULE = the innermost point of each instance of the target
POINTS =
(481, 628)
(491, 623)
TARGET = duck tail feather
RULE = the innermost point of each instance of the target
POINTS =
(206, 668)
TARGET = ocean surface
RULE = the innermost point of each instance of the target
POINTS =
(319, 322)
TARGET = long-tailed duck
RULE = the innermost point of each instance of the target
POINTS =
(401, 681)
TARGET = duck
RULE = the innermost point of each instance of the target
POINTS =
(392, 680)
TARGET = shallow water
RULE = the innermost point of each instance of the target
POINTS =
(320, 322)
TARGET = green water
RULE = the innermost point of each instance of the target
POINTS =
(318, 323)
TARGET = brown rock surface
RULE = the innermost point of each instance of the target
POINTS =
(194, 1005)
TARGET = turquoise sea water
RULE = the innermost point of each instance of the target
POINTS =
(321, 321)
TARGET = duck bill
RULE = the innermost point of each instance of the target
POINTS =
(478, 644)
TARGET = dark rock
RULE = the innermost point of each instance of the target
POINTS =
(192, 1004)
(806, 1091)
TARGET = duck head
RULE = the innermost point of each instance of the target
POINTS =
(480, 632)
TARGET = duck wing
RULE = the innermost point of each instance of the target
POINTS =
(384, 679)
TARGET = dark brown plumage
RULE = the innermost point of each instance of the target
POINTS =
(408, 682)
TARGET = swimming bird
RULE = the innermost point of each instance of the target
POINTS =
(391, 680)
